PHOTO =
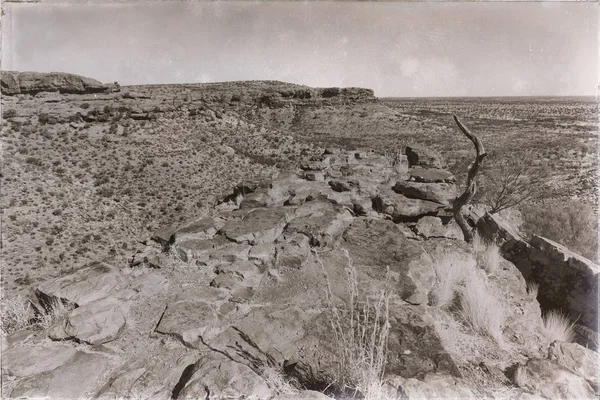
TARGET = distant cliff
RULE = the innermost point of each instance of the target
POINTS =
(35, 82)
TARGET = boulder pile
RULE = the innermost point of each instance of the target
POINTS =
(212, 306)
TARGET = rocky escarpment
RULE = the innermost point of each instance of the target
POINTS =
(566, 280)
(210, 306)
(13, 83)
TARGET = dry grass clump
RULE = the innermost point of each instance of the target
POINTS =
(53, 312)
(481, 308)
(466, 292)
(361, 331)
(487, 253)
(533, 289)
(557, 326)
(451, 271)
(16, 314)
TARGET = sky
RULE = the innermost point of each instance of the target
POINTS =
(395, 48)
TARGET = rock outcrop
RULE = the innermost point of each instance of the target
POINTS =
(566, 280)
(260, 284)
(13, 83)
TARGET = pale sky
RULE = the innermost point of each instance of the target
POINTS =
(396, 49)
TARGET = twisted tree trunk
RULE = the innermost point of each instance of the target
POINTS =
(471, 188)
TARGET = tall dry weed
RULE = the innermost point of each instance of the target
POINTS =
(361, 330)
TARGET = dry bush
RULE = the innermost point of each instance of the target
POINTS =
(451, 271)
(481, 308)
(487, 253)
(16, 315)
(557, 326)
(571, 223)
(361, 331)
(54, 311)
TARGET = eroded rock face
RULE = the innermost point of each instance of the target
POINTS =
(566, 280)
(35, 82)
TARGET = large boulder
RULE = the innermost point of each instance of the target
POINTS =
(423, 157)
(443, 193)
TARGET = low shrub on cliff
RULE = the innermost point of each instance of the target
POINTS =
(558, 327)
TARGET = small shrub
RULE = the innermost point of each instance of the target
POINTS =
(558, 327)
(16, 314)
(85, 106)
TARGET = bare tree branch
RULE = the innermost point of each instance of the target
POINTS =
(471, 188)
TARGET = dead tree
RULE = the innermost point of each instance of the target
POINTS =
(471, 188)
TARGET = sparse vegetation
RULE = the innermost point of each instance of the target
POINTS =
(572, 223)
(16, 314)
(558, 327)
(361, 329)
(487, 253)
(481, 309)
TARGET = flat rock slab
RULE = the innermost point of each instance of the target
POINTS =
(218, 377)
(443, 193)
(321, 227)
(190, 321)
(89, 283)
(203, 228)
(400, 207)
(376, 245)
(21, 361)
(431, 175)
(259, 226)
(78, 378)
(93, 323)
(188, 250)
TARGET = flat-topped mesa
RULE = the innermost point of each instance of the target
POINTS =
(13, 83)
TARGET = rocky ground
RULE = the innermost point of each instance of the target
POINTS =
(321, 273)
(254, 299)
